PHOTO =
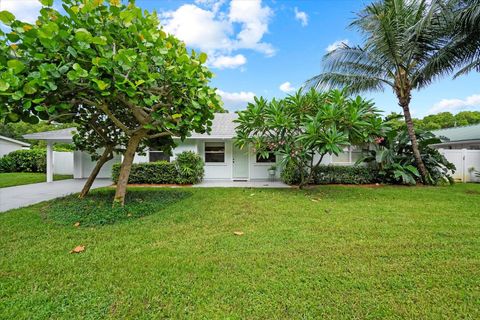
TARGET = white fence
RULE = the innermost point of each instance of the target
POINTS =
(466, 162)
(62, 162)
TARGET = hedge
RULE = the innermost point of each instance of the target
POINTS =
(187, 169)
(33, 160)
(334, 175)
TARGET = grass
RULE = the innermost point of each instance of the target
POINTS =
(20, 178)
(331, 252)
(97, 209)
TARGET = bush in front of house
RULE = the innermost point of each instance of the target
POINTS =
(33, 160)
(333, 175)
(190, 168)
(186, 169)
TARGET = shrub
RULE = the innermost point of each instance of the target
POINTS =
(34, 160)
(161, 172)
(345, 175)
(186, 169)
(333, 175)
(190, 168)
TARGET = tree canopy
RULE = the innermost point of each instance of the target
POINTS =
(114, 58)
(306, 126)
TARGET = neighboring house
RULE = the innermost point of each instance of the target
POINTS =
(8, 145)
(466, 137)
(462, 148)
(223, 161)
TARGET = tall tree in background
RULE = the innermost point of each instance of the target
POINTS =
(400, 37)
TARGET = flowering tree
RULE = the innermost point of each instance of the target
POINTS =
(304, 127)
(110, 57)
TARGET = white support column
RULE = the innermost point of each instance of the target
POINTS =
(49, 161)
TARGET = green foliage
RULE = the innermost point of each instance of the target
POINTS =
(33, 160)
(333, 175)
(393, 157)
(307, 124)
(438, 121)
(96, 209)
(160, 172)
(186, 169)
(103, 56)
(105, 65)
(190, 168)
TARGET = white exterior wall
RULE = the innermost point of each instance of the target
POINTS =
(62, 162)
(217, 171)
(6, 147)
(83, 166)
(463, 160)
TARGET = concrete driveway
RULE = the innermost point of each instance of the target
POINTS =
(22, 196)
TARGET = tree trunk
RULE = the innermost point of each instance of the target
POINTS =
(106, 156)
(413, 139)
(126, 167)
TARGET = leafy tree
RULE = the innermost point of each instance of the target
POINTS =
(393, 157)
(304, 127)
(18, 129)
(114, 58)
(400, 36)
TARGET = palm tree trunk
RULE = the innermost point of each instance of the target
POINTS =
(106, 156)
(413, 138)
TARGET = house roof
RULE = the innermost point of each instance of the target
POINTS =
(21, 143)
(223, 127)
(54, 135)
(460, 134)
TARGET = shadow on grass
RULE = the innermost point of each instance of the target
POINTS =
(96, 209)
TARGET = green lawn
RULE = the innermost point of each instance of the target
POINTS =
(19, 178)
(332, 252)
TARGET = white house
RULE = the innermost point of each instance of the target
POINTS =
(223, 161)
(8, 145)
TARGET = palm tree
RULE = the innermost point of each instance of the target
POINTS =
(400, 37)
(461, 20)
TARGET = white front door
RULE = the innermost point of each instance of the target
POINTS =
(240, 164)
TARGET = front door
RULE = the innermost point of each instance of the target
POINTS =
(240, 164)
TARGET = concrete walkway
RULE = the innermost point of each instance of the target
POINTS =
(241, 184)
(22, 196)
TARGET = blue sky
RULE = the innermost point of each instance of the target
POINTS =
(269, 47)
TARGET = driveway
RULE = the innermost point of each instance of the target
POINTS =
(22, 196)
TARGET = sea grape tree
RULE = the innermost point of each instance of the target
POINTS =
(306, 126)
(114, 58)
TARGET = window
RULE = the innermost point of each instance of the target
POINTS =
(156, 155)
(215, 152)
(270, 159)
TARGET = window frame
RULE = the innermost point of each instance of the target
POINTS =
(157, 151)
(210, 152)
(265, 162)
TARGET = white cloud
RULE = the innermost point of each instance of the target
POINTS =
(204, 25)
(198, 28)
(287, 87)
(454, 105)
(228, 62)
(24, 10)
(235, 100)
(254, 19)
(337, 44)
(301, 16)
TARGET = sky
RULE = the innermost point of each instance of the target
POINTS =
(270, 47)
